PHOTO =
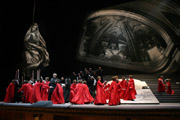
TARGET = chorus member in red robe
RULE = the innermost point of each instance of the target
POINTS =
(44, 91)
(47, 80)
(100, 93)
(118, 89)
(79, 93)
(36, 92)
(57, 96)
(106, 88)
(130, 94)
(27, 92)
(132, 80)
(87, 97)
(161, 85)
(113, 97)
(9, 97)
(169, 88)
(72, 89)
(123, 85)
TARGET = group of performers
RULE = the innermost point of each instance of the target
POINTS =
(162, 85)
(79, 91)
(82, 90)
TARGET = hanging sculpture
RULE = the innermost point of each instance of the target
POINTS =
(35, 55)
(133, 36)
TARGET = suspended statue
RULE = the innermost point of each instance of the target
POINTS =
(35, 55)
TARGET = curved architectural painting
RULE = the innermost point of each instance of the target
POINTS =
(142, 35)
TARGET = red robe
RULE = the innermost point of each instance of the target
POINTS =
(106, 88)
(57, 96)
(132, 80)
(161, 85)
(9, 97)
(88, 98)
(44, 92)
(123, 85)
(118, 91)
(100, 94)
(79, 94)
(36, 92)
(47, 83)
(72, 88)
(130, 93)
(27, 89)
(169, 89)
(113, 97)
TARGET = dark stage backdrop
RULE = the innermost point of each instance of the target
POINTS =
(60, 24)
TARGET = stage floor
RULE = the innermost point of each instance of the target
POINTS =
(106, 106)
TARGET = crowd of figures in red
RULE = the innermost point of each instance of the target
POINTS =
(162, 85)
(87, 87)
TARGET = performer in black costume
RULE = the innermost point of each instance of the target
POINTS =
(52, 85)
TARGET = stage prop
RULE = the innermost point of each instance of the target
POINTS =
(144, 94)
(141, 35)
(42, 104)
(35, 55)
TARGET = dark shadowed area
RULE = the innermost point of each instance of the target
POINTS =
(60, 24)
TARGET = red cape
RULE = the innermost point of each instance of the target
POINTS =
(132, 80)
(79, 94)
(9, 97)
(161, 85)
(88, 98)
(123, 85)
(44, 92)
(36, 93)
(72, 89)
(169, 89)
(113, 97)
(100, 94)
(57, 96)
(130, 93)
(27, 89)
(106, 88)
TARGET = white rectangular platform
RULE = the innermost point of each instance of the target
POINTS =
(144, 96)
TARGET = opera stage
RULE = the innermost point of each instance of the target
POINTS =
(148, 105)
